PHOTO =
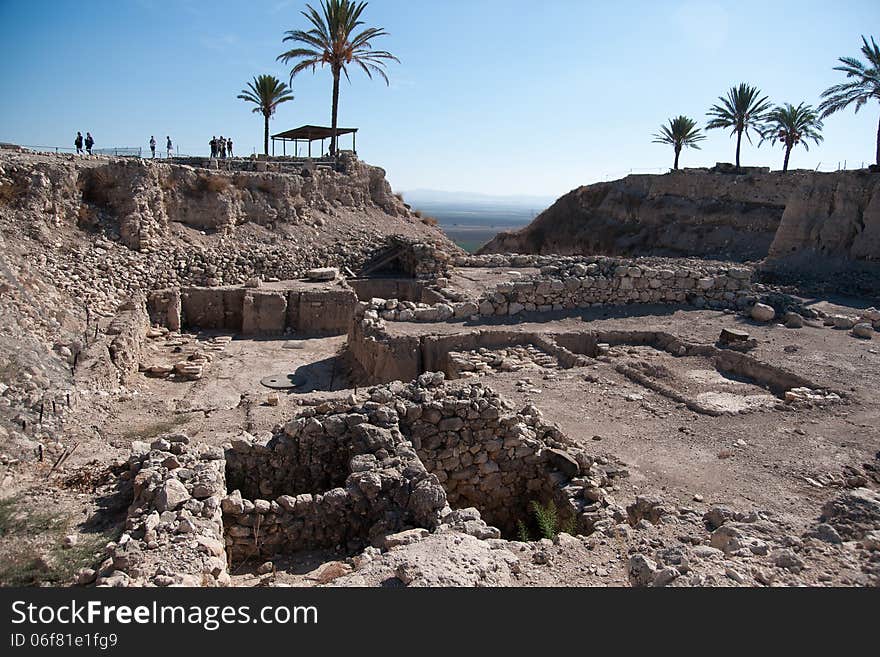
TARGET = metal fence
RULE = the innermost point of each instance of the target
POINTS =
(117, 152)
(120, 151)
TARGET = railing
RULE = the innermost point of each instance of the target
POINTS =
(118, 152)
(110, 152)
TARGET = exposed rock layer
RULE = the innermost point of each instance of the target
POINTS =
(791, 217)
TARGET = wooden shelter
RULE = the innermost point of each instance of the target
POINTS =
(310, 133)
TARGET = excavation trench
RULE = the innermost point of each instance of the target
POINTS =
(706, 378)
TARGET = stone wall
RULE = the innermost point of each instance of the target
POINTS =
(342, 478)
(491, 458)
(580, 282)
(378, 356)
(255, 311)
(612, 281)
(174, 531)
(349, 473)
(402, 289)
(115, 353)
(437, 350)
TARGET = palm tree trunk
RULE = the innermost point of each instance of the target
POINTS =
(785, 162)
(677, 151)
(878, 143)
(739, 136)
(266, 135)
(335, 111)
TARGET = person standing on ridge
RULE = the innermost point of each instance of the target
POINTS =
(153, 146)
(168, 147)
(221, 146)
(229, 146)
(89, 143)
(213, 143)
(78, 142)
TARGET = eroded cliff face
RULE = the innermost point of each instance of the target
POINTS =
(834, 216)
(683, 213)
(145, 196)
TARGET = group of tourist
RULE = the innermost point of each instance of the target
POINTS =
(221, 147)
(78, 142)
(169, 147)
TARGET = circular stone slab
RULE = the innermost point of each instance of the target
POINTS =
(279, 381)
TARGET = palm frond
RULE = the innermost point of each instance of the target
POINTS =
(266, 92)
(864, 86)
(335, 40)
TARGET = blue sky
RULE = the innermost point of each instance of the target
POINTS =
(500, 97)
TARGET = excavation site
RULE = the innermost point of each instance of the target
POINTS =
(258, 375)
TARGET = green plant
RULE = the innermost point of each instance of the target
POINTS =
(333, 40)
(522, 532)
(546, 519)
(266, 92)
(682, 132)
(742, 110)
(792, 126)
(864, 85)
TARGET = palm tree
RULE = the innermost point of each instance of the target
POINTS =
(742, 111)
(681, 132)
(864, 86)
(792, 126)
(267, 92)
(332, 41)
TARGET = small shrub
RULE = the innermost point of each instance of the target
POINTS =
(419, 214)
(546, 519)
(399, 196)
(429, 221)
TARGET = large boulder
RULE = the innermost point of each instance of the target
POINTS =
(761, 312)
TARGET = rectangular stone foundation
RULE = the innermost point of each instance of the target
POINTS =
(301, 308)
